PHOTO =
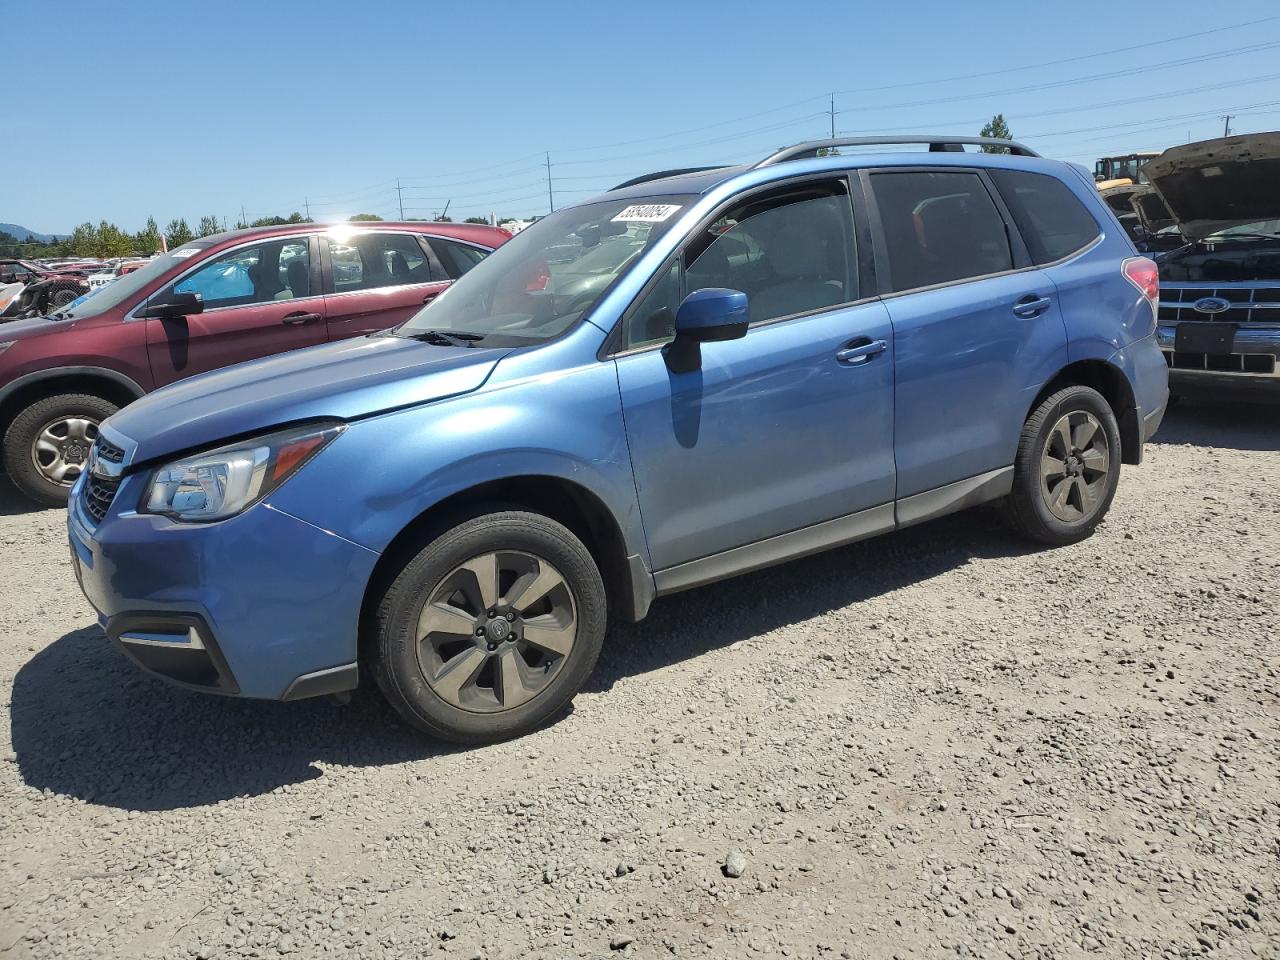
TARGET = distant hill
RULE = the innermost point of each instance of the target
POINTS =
(25, 235)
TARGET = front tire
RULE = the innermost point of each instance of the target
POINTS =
(491, 629)
(1067, 467)
(47, 445)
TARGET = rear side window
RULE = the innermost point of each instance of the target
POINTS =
(939, 227)
(457, 258)
(367, 261)
(1052, 220)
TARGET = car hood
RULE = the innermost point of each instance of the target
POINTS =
(11, 330)
(1215, 184)
(344, 381)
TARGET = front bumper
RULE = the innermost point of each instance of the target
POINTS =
(1253, 363)
(260, 605)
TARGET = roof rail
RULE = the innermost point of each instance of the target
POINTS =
(662, 175)
(937, 144)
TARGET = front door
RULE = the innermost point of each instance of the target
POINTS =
(259, 299)
(378, 280)
(977, 332)
(791, 425)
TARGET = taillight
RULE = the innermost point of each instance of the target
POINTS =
(1145, 275)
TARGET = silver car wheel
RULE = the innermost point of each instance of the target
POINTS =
(61, 448)
(495, 631)
(1075, 466)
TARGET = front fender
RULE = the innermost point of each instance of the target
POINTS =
(385, 472)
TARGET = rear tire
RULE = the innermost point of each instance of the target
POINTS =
(1067, 467)
(455, 672)
(52, 437)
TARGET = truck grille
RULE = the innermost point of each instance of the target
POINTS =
(1247, 304)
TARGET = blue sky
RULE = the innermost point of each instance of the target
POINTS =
(190, 109)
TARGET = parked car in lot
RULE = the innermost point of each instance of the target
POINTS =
(60, 286)
(801, 353)
(1220, 291)
(216, 301)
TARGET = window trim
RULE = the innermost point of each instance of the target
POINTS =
(428, 237)
(1018, 254)
(312, 247)
(614, 343)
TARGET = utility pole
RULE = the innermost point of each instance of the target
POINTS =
(400, 197)
(1226, 123)
(307, 203)
(551, 199)
(832, 111)
(243, 221)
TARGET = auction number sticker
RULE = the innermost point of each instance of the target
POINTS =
(647, 213)
(184, 252)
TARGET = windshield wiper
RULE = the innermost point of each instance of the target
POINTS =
(446, 338)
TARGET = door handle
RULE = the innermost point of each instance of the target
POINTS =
(860, 350)
(1031, 306)
(430, 296)
(293, 319)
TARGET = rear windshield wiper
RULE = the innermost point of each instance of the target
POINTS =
(446, 338)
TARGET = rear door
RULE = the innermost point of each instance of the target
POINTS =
(977, 329)
(259, 298)
(377, 279)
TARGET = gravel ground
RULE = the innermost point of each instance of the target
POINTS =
(939, 743)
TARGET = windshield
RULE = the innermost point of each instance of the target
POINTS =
(122, 289)
(539, 283)
(1247, 231)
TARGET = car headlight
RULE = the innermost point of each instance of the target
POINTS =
(223, 482)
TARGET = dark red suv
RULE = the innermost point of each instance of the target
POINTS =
(216, 301)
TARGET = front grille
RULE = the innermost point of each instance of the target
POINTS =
(109, 451)
(97, 495)
(1248, 304)
(1255, 364)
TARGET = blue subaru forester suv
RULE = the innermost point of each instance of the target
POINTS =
(694, 375)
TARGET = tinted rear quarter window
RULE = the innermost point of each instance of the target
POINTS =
(1052, 220)
(939, 227)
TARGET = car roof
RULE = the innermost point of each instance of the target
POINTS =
(704, 181)
(472, 232)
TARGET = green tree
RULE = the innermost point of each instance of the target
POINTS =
(484, 220)
(112, 241)
(178, 233)
(147, 240)
(208, 226)
(363, 218)
(997, 128)
(84, 240)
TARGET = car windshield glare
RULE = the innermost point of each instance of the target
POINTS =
(543, 280)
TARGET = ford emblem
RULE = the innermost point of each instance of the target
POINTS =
(1211, 305)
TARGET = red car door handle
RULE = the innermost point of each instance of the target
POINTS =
(430, 296)
(293, 319)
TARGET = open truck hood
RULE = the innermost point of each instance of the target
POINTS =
(1215, 184)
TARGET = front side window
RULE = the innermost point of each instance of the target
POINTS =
(939, 227)
(549, 275)
(366, 261)
(266, 272)
(1052, 221)
(790, 254)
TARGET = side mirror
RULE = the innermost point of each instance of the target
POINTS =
(178, 305)
(706, 315)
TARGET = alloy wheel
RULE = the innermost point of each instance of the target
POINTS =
(495, 631)
(1075, 466)
(61, 449)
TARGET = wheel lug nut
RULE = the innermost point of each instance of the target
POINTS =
(492, 647)
(492, 614)
(479, 631)
(510, 617)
